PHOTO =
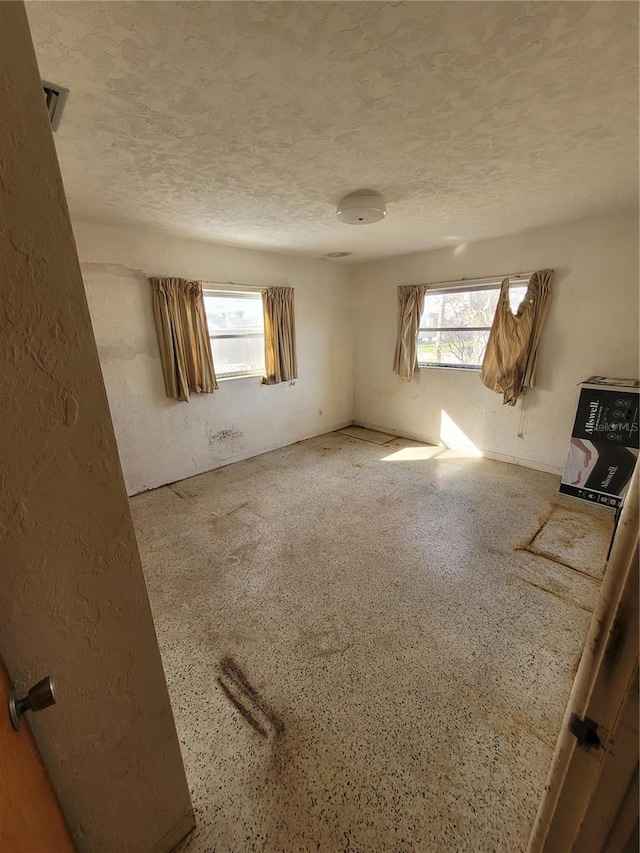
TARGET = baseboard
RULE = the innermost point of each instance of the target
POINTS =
(175, 835)
(176, 476)
(487, 454)
(525, 463)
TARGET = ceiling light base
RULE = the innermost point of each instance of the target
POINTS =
(361, 208)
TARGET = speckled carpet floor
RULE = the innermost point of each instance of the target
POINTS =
(364, 649)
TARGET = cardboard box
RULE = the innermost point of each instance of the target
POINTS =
(604, 442)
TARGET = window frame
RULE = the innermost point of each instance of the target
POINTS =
(244, 291)
(462, 286)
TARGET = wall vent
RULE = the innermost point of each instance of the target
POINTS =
(55, 98)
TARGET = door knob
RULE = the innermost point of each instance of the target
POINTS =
(41, 695)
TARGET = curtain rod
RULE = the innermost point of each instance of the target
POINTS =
(485, 280)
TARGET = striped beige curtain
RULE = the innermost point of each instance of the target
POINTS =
(410, 306)
(183, 337)
(281, 360)
(509, 364)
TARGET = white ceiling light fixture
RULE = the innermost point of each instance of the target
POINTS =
(361, 208)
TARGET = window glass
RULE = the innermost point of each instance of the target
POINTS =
(455, 324)
(236, 329)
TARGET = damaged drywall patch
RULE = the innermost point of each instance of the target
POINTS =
(229, 434)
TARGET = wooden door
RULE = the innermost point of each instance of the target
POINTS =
(589, 804)
(30, 817)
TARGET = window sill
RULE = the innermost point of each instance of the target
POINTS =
(240, 376)
(461, 369)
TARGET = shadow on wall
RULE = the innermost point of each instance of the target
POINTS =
(454, 444)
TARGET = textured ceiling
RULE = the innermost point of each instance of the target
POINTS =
(244, 123)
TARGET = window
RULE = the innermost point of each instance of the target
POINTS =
(236, 329)
(456, 321)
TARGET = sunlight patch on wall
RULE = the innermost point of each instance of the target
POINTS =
(454, 438)
(454, 444)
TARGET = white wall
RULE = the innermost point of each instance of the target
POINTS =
(73, 602)
(161, 440)
(592, 328)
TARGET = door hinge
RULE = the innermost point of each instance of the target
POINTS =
(585, 732)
